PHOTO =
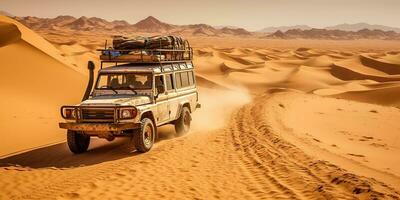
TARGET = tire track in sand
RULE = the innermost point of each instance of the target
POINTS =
(285, 171)
(245, 160)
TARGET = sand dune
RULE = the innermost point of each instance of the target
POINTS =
(35, 81)
(10, 30)
(388, 64)
(363, 77)
(384, 95)
(78, 56)
(264, 131)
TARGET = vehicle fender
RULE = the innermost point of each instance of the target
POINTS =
(141, 111)
(180, 107)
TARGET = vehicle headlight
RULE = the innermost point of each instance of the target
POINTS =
(69, 113)
(127, 113)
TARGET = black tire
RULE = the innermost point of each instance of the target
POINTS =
(77, 143)
(182, 124)
(144, 138)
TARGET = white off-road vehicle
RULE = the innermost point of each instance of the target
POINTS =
(140, 92)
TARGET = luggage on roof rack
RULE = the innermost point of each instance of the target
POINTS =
(154, 42)
(121, 42)
(140, 49)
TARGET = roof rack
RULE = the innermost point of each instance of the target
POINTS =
(146, 55)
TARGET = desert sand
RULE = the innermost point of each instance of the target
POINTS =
(280, 119)
(31, 94)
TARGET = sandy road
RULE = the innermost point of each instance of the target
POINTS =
(244, 160)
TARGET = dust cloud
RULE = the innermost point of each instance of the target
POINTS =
(216, 107)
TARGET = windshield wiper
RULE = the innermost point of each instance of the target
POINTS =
(132, 89)
(113, 89)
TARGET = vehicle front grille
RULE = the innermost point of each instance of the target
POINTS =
(97, 114)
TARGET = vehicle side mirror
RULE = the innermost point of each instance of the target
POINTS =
(160, 89)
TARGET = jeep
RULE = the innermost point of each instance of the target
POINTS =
(133, 97)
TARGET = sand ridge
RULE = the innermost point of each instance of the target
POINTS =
(352, 75)
(36, 79)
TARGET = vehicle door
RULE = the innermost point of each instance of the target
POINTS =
(161, 99)
(172, 95)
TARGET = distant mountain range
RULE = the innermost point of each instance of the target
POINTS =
(361, 26)
(148, 25)
(221, 27)
(343, 27)
(335, 34)
(155, 26)
(283, 28)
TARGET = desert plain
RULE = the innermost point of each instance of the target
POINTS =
(280, 119)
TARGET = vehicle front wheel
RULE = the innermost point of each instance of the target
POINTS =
(144, 138)
(77, 142)
(182, 124)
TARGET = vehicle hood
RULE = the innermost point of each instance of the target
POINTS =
(122, 100)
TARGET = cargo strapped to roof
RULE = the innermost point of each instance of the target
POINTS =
(159, 49)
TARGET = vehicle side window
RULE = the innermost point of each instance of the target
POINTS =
(191, 78)
(185, 79)
(178, 80)
(159, 80)
(169, 81)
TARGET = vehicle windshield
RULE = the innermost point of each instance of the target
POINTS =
(125, 81)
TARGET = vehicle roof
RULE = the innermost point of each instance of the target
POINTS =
(149, 68)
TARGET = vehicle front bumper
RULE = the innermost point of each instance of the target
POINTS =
(98, 127)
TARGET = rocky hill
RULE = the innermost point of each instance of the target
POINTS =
(335, 34)
(147, 25)
(152, 25)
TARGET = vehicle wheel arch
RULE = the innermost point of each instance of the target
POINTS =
(148, 114)
(187, 104)
(181, 106)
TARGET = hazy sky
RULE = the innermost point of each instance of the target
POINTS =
(250, 14)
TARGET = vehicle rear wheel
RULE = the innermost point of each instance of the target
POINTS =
(182, 124)
(144, 138)
(77, 142)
